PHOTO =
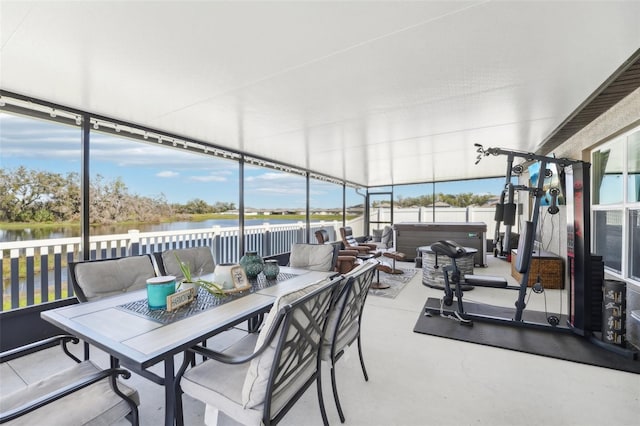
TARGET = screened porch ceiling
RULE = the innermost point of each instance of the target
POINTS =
(375, 93)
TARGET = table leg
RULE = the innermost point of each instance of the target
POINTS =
(169, 392)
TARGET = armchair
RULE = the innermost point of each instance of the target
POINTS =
(347, 259)
(81, 394)
(365, 250)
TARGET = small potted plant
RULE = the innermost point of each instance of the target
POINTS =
(190, 282)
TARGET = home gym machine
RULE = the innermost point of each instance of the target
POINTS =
(574, 184)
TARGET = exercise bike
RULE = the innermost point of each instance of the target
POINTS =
(453, 251)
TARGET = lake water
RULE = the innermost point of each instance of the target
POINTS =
(74, 231)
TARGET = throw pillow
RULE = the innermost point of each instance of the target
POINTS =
(387, 237)
(377, 235)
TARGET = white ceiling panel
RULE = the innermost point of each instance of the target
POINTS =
(376, 93)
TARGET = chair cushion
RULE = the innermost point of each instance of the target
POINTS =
(96, 404)
(332, 320)
(255, 384)
(345, 338)
(220, 385)
(348, 335)
(100, 279)
(199, 259)
(377, 235)
(316, 257)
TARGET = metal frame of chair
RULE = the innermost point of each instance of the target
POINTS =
(348, 310)
(76, 386)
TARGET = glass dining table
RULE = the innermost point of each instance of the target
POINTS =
(138, 338)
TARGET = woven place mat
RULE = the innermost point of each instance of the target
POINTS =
(203, 302)
(262, 282)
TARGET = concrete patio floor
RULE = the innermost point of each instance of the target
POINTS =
(418, 379)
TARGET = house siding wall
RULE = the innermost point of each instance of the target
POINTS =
(618, 119)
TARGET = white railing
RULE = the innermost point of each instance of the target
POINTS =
(25, 282)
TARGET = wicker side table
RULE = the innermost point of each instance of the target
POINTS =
(548, 266)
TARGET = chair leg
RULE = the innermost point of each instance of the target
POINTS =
(335, 391)
(86, 351)
(211, 415)
(189, 358)
(364, 370)
(133, 417)
(323, 411)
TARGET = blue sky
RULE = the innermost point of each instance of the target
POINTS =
(152, 170)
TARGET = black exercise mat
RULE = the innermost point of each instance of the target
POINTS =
(565, 346)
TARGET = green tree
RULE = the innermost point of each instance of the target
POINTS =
(24, 192)
(455, 200)
(64, 202)
(197, 206)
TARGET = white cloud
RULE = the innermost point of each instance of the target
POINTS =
(209, 178)
(271, 176)
(167, 174)
(274, 176)
(281, 190)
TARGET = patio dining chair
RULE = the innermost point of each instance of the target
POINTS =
(282, 362)
(345, 319)
(78, 395)
(95, 279)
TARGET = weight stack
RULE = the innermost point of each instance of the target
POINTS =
(614, 295)
(597, 281)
